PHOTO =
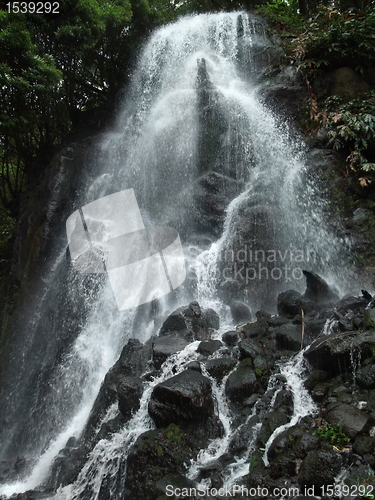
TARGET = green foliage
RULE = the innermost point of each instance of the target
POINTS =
(332, 434)
(351, 126)
(333, 37)
(368, 323)
(31, 114)
(53, 68)
(254, 462)
(283, 16)
(173, 434)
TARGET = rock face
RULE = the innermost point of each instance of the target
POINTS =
(347, 84)
(220, 367)
(353, 421)
(242, 373)
(318, 290)
(290, 337)
(337, 353)
(184, 398)
(240, 312)
(319, 469)
(289, 303)
(285, 94)
(165, 346)
(191, 322)
(129, 392)
(243, 382)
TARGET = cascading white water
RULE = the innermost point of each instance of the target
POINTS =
(192, 110)
(303, 404)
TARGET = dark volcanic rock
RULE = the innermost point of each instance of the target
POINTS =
(242, 383)
(364, 445)
(165, 346)
(174, 481)
(240, 312)
(297, 441)
(134, 358)
(271, 422)
(208, 347)
(230, 338)
(366, 377)
(290, 337)
(133, 362)
(289, 303)
(319, 469)
(154, 455)
(241, 438)
(186, 397)
(255, 329)
(220, 367)
(316, 377)
(212, 318)
(318, 290)
(164, 452)
(335, 353)
(129, 391)
(353, 421)
(190, 322)
(249, 349)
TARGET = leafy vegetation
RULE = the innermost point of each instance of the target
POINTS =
(351, 127)
(339, 35)
(54, 68)
(332, 434)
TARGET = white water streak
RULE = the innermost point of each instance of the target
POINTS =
(303, 404)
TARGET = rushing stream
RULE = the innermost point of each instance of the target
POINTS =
(206, 157)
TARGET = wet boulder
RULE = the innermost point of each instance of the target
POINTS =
(240, 312)
(191, 322)
(255, 329)
(212, 318)
(353, 421)
(129, 391)
(220, 367)
(272, 421)
(230, 338)
(160, 456)
(351, 303)
(165, 346)
(319, 469)
(208, 347)
(335, 353)
(316, 377)
(297, 442)
(289, 337)
(289, 303)
(243, 382)
(243, 435)
(365, 447)
(366, 377)
(318, 291)
(133, 362)
(154, 455)
(249, 349)
(134, 358)
(184, 398)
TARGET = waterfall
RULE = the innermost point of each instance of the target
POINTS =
(206, 157)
